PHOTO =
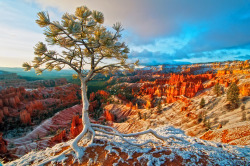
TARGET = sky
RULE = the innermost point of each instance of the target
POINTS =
(156, 31)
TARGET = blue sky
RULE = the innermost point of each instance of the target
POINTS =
(162, 31)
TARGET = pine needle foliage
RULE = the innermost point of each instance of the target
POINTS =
(217, 89)
(159, 107)
(233, 95)
(202, 103)
(85, 43)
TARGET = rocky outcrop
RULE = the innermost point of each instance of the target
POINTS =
(59, 137)
(239, 135)
(177, 85)
(117, 113)
(98, 100)
(245, 89)
(179, 149)
(180, 85)
(25, 117)
(222, 72)
(3, 145)
(235, 72)
(39, 104)
(109, 116)
(38, 138)
(76, 126)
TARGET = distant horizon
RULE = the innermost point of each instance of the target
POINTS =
(174, 64)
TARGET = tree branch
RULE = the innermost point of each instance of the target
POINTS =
(74, 40)
(106, 66)
(63, 61)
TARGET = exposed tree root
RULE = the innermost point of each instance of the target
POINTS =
(54, 158)
(117, 133)
(92, 128)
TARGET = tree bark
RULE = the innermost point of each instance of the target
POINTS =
(85, 119)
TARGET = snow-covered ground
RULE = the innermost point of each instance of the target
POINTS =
(190, 149)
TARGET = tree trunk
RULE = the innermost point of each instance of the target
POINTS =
(85, 119)
(85, 103)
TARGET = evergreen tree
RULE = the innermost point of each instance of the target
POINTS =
(159, 107)
(202, 103)
(139, 115)
(233, 95)
(89, 48)
(217, 89)
(208, 124)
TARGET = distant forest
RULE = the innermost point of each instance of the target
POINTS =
(98, 83)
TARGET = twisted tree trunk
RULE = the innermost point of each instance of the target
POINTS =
(85, 120)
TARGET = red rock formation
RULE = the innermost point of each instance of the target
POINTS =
(92, 96)
(235, 135)
(226, 84)
(135, 107)
(184, 108)
(241, 72)
(3, 145)
(221, 72)
(129, 105)
(59, 137)
(177, 85)
(25, 117)
(1, 103)
(103, 93)
(1, 116)
(237, 71)
(76, 126)
(245, 89)
(93, 105)
(6, 102)
(6, 111)
(246, 64)
(17, 100)
(97, 101)
(109, 116)
(60, 120)
(149, 104)
(12, 102)
(199, 87)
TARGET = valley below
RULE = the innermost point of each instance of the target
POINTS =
(39, 119)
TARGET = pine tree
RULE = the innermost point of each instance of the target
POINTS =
(208, 124)
(83, 42)
(139, 115)
(217, 89)
(202, 103)
(159, 107)
(233, 95)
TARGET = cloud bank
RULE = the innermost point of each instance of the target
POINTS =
(165, 31)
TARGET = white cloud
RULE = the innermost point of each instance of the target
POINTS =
(16, 45)
(163, 45)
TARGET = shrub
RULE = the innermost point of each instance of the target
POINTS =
(243, 107)
(139, 115)
(233, 95)
(200, 118)
(202, 103)
(208, 124)
(159, 107)
(145, 116)
(217, 89)
(243, 117)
